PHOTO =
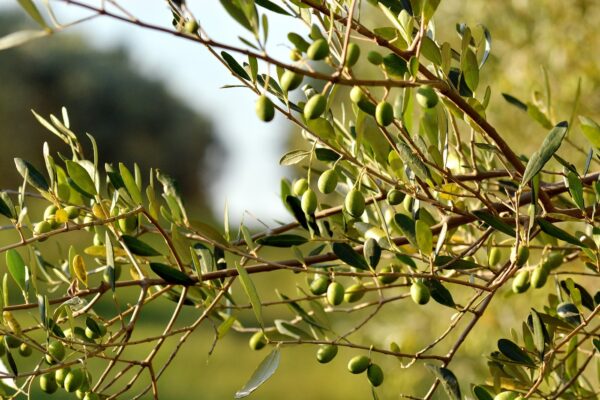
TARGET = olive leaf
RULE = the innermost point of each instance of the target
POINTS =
(171, 275)
(209, 232)
(540, 335)
(236, 68)
(554, 231)
(21, 37)
(138, 247)
(293, 157)
(347, 254)
(5, 209)
(284, 240)
(495, 222)
(448, 379)
(481, 393)
(407, 227)
(287, 329)
(591, 131)
(372, 252)
(439, 293)
(550, 145)
(17, 268)
(129, 182)
(251, 292)
(81, 177)
(265, 370)
(514, 353)
(423, 236)
(33, 176)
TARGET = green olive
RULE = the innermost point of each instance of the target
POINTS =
(354, 293)
(300, 187)
(257, 341)
(326, 353)
(60, 375)
(494, 256)
(56, 352)
(375, 58)
(91, 396)
(395, 197)
(12, 342)
(42, 227)
(384, 113)
(352, 54)
(315, 107)
(106, 277)
(72, 212)
(191, 26)
(318, 50)
(335, 293)
(290, 80)
(552, 260)
(319, 285)
(50, 211)
(359, 364)
(522, 255)
(265, 110)
(355, 203)
(74, 380)
(128, 224)
(309, 202)
(387, 279)
(506, 395)
(521, 282)
(419, 293)
(357, 95)
(25, 350)
(48, 383)
(539, 276)
(328, 181)
(375, 375)
(91, 334)
(427, 97)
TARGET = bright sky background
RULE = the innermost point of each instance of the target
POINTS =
(251, 173)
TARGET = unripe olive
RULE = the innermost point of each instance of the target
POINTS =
(375, 57)
(12, 341)
(25, 350)
(295, 55)
(300, 187)
(359, 364)
(521, 282)
(106, 277)
(191, 26)
(42, 227)
(56, 352)
(73, 380)
(60, 375)
(375, 375)
(91, 334)
(290, 80)
(384, 113)
(72, 212)
(539, 276)
(97, 240)
(315, 106)
(326, 353)
(319, 285)
(257, 341)
(264, 108)
(427, 97)
(354, 293)
(419, 293)
(48, 383)
(494, 256)
(335, 293)
(91, 396)
(328, 181)
(387, 279)
(506, 395)
(357, 95)
(522, 255)
(309, 202)
(318, 50)
(128, 224)
(352, 54)
(552, 261)
(395, 197)
(355, 203)
(50, 211)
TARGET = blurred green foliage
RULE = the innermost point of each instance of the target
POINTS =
(129, 114)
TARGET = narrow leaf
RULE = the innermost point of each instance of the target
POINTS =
(19, 38)
(251, 292)
(550, 145)
(33, 176)
(81, 177)
(554, 231)
(494, 222)
(407, 227)
(448, 379)
(424, 236)
(284, 240)
(347, 254)
(171, 275)
(591, 131)
(513, 352)
(130, 185)
(16, 267)
(265, 370)
(236, 68)
(293, 157)
(139, 248)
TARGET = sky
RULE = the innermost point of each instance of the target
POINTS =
(250, 174)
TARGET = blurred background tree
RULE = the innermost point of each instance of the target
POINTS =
(129, 114)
